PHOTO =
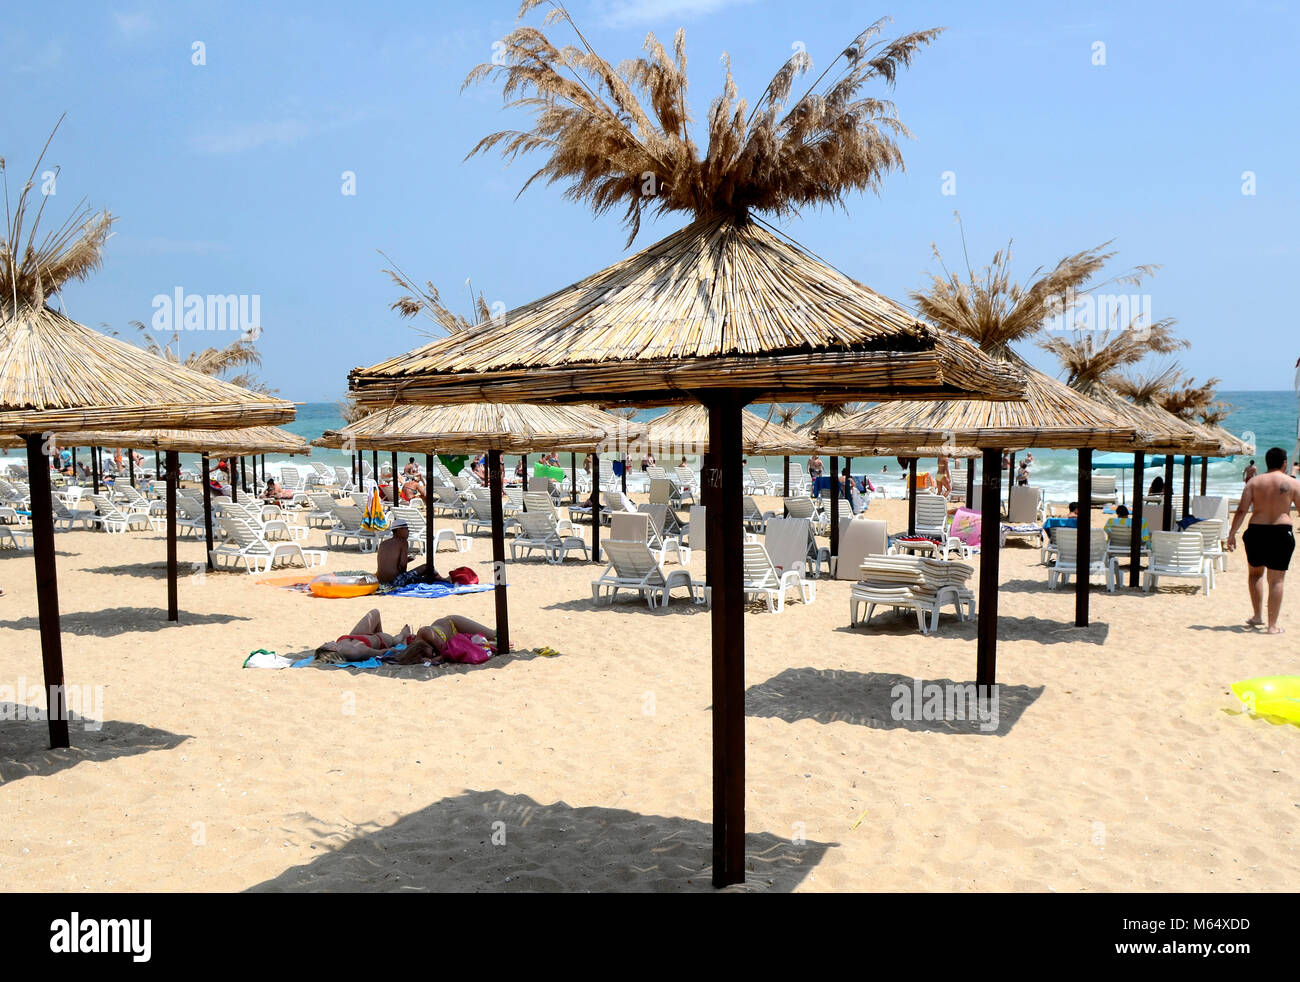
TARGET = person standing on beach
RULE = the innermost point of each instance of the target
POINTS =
(1269, 538)
(1250, 471)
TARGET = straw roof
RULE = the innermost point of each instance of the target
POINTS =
(686, 430)
(517, 428)
(58, 375)
(1163, 432)
(244, 442)
(718, 305)
(1052, 416)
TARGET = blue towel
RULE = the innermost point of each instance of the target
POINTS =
(368, 663)
(435, 591)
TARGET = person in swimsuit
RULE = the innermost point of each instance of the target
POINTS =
(944, 483)
(393, 556)
(368, 639)
(1269, 538)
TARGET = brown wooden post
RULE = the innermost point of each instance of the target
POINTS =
(1135, 540)
(1083, 561)
(374, 464)
(970, 482)
(94, 468)
(172, 475)
(573, 478)
(986, 659)
(725, 544)
(130, 465)
(74, 466)
(157, 463)
(848, 466)
(1167, 521)
(428, 520)
(393, 480)
(834, 509)
(595, 508)
(207, 507)
(356, 469)
(47, 588)
(911, 497)
(625, 473)
(1187, 485)
(1205, 475)
(785, 493)
(243, 474)
(495, 480)
(234, 481)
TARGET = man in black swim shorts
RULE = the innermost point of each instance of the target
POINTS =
(1269, 538)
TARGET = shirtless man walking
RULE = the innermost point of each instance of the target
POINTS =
(1269, 538)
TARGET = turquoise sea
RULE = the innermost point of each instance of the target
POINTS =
(1270, 416)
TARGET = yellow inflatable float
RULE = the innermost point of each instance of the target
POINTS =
(1271, 695)
(334, 585)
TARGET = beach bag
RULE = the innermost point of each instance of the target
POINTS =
(463, 649)
(966, 526)
(463, 576)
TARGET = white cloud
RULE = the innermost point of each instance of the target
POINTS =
(626, 13)
(132, 25)
(27, 59)
(238, 137)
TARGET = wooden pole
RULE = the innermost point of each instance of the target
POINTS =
(234, 481)
(848, 468)
(356, 470)
(834, 511)
(207, 507)
(1187, 485)
(911, 497)
(172, 475)
(94, 468)
(986, 659)
(393, 478)
(625, 473)
(1084, 561)
(970, 482)
(157, 464)
(495, 479)
(130, 465)
(243, 474)
(785, 493)
(1205, 475)
(74, 466)
(47, 588)
(595, 508)
(263, 468)
(1135, 541)
(374, 464)
(725, 544)
(428, 519)
(573, 478)
(1167, 520)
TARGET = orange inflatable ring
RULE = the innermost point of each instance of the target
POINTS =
(334, 586)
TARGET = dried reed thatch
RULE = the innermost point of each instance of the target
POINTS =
(1052, 416)
(688, 427)
(473, 427)
(721, 305)
(56, 374)
(242, 442)
(619, 136)
(1092, 362)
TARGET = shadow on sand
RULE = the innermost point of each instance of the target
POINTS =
(113, 621)
(25, 742)
(875, 699)
(491, 841)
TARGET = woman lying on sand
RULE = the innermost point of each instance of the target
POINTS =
(429, 644)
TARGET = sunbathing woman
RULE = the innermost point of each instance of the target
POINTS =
(368, 639)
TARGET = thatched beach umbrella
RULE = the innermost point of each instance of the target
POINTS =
(1092, 363)
(724, 312)
(1052, 417)
(58, 375)
(231, 442)
(498, 429)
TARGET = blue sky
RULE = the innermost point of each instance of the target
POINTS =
(227, 176)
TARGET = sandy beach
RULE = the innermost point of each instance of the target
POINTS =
(1121, 762)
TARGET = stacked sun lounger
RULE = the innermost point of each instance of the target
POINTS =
(916, 582)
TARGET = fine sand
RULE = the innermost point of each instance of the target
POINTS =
(1121, 761)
